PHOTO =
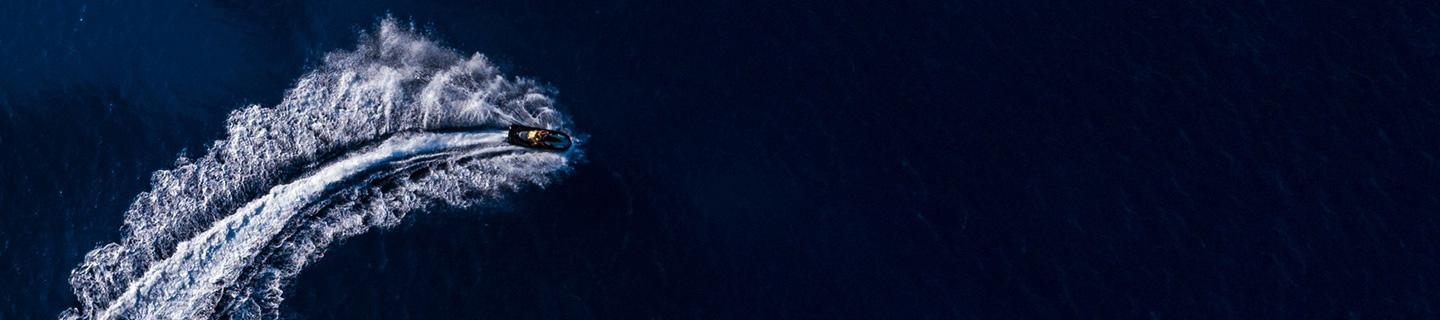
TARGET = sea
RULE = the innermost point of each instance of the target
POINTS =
(1028, 159)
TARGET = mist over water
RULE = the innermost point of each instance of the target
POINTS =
(395, 126)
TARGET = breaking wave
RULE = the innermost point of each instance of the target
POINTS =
(398, 125)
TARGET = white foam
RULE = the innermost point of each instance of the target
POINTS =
(223, 233)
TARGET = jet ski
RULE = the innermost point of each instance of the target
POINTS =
(537, 138)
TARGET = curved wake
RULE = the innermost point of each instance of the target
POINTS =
(398, 125)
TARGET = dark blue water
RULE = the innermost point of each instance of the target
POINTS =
(834, 159)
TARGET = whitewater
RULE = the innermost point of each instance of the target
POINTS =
(396, 126)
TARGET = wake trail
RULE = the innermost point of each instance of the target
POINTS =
(399, 125)
(212, 258)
